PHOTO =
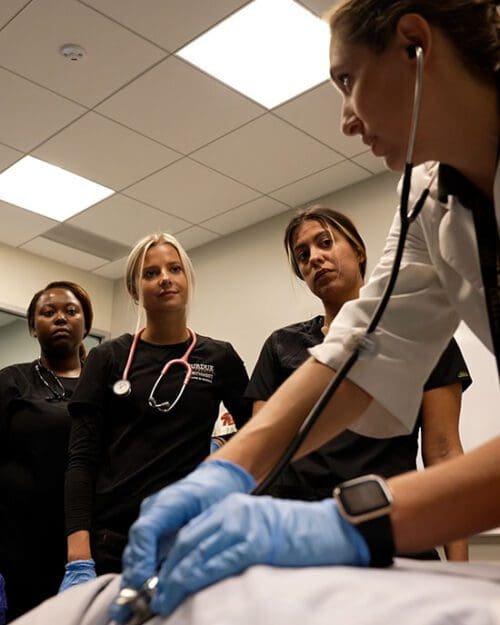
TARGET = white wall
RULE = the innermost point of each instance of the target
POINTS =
(23, 274)
(245, 286)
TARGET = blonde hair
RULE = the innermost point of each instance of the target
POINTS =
(135, 266)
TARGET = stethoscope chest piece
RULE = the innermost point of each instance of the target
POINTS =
(122, 388)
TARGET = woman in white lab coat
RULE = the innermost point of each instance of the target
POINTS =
(373, 65)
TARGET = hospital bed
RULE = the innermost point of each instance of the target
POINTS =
(411, 592)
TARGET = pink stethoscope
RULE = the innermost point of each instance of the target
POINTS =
(123, 387)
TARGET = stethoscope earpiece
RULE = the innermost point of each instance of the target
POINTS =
(412, 50)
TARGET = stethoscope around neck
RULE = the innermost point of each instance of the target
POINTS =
(57, 390)
(123, 386)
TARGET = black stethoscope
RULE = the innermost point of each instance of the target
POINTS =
(57, 390)
(366, 344)
(123, 386)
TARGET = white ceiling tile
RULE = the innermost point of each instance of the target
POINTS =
(373, 163)
(318, 112)
(180, 106)
(194, 237)
(19, 225)
(8, 8)
(8, 156)
(170, 24)
(246, 215)
(106, 152)
(266, 154)
(191, 191)
(125, 220)
(63, 254)
(114, 270)
(29, 45)
(321, 183)
(30, 113)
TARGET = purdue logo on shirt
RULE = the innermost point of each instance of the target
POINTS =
(202, 373)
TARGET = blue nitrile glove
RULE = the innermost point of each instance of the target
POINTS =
(244, 530)
(164, 513)
(215, 444)
(77, 572)
(3, 602)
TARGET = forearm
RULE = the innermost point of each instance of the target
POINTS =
(458, 550)
(447, 502)
(262, 441)
(441, 438)
(79, 546)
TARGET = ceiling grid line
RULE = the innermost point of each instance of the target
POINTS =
(183, 151)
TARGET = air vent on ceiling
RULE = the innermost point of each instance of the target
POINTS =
(86, 242)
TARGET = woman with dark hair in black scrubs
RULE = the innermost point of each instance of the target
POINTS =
(34, 434)
(326, 251)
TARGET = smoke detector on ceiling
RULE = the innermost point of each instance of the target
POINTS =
(72, 52)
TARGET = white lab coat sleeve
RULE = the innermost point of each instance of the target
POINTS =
(415, 328)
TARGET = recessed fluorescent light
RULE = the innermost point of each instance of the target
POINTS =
(270, 50)
(49, 190)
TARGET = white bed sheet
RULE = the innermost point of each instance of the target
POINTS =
(409, 593)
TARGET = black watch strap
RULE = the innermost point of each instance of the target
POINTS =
(378, 536)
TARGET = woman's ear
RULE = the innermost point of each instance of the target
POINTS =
(413, 30)
(361, 256)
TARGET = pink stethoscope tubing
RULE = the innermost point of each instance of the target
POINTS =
(122, 387)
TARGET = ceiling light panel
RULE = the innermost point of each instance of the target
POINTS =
(271, 50)
(49, 190)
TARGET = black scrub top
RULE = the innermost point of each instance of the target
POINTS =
(349, 455)
(122, 449)
(34, 434)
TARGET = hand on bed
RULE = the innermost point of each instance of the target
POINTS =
(244, 530)
(164, 513)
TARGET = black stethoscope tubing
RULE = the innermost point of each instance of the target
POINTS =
(366, 343)
(58, 393)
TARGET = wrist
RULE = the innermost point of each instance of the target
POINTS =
(241, 480)
(365, 505)
(81, 563)
(351, 533)
(79, 546)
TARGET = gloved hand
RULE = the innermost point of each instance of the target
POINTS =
(244, 530)
(164, 513)
(77, 572)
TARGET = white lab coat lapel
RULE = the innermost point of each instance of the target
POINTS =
(451, 238)
(457, 243)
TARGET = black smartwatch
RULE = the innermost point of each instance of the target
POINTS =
(366, 502)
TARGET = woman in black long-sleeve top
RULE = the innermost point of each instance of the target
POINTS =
(34, 433)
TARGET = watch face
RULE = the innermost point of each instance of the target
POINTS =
(363, 498)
